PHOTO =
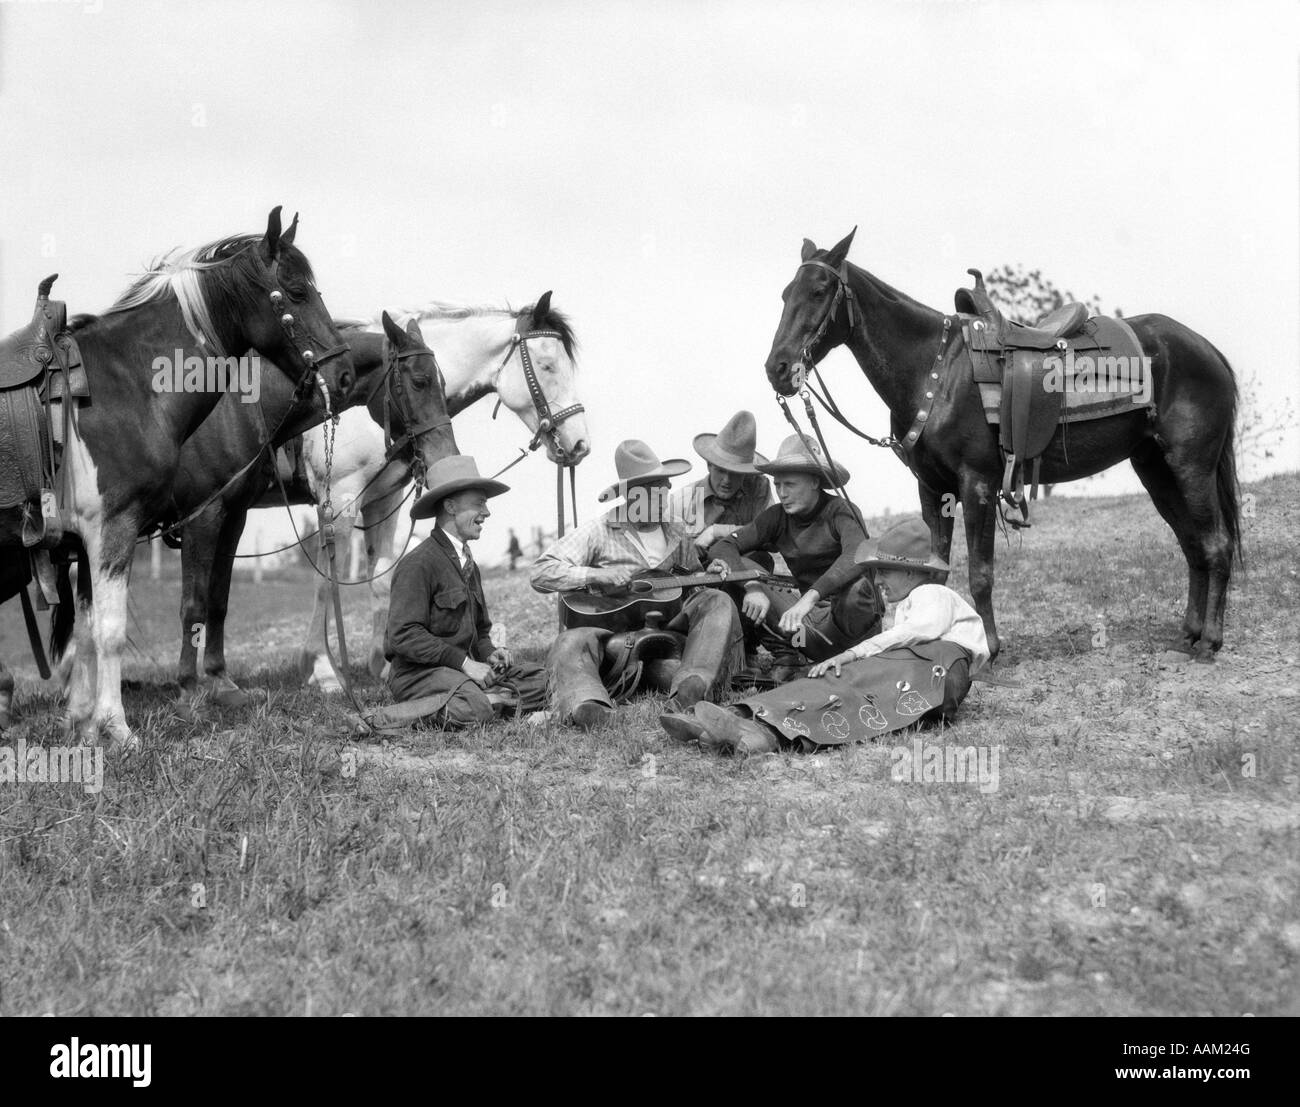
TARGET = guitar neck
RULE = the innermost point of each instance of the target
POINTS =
(662, 585)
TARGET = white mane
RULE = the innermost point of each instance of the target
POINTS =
(179, 274)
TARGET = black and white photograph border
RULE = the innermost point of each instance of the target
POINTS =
(944, 351)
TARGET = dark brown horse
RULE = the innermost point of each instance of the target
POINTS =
(1183, 453)
(400, 384)
(220, 300)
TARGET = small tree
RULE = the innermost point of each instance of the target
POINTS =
(1025, 295)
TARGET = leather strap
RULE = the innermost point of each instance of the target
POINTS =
(926, 406)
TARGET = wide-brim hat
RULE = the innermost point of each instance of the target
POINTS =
(906, 546)
(457, 473)
(636, 463)
(732, 448)
(800, 454)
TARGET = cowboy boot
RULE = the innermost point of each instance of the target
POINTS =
(683, 728)
(729, 732)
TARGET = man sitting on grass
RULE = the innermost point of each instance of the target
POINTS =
(444, 664)
(918, 671)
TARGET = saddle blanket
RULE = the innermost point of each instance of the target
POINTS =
(1102, 373)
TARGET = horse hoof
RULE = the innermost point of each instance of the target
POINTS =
(124, 743)
(231, 697)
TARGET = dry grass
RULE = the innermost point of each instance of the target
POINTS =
(1125, 865)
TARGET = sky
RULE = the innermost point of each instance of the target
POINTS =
(658, 164)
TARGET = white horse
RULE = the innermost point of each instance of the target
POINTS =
(480, 350)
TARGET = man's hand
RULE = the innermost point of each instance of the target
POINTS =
(797, 612)
(712, 533)
(612, 577)
(480, 673)
(719, 568)
(756, 604)
(500, 658)
(835, 662)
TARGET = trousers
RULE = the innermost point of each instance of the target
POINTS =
(834, 624)
(714, 647)
(455, 701)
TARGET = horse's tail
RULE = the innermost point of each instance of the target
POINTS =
(1228, 487)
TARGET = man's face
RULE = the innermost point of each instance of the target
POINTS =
(646, 504)
(896, 584)
(797, 492)
(726, 484)
(468, 512)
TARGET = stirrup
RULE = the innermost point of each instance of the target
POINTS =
(1014, 509)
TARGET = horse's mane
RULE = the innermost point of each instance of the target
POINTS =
(216, 274)
(442, 309)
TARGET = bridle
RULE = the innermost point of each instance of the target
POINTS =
(548, 420)
(311, 359)
(843, 294)
(396, 399)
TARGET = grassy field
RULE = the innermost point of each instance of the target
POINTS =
(1140, 856)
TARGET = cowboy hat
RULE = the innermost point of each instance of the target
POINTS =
(636, 463)
(733, 447)
(449, 476)
(906, 546)
(800, 454)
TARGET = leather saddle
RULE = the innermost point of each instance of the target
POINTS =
(644, 659)
(40, 369)
(1019, 359)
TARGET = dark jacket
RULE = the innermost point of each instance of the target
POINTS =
(436, 615)
(818, 547)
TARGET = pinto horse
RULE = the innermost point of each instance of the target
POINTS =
(400, 386)
(1183, 453)
(525, 356)
(223, 299)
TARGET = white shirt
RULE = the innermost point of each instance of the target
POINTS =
(928, 612)
(457, 544)
(653, 543)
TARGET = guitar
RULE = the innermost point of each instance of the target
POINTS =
(647, 593)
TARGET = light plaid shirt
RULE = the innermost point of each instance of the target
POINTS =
(605, 541)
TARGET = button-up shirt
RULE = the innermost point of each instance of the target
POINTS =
(818, 547)
(604, 542)
(927, 613)
(457, 544)
(698, 506)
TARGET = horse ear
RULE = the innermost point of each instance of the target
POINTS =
(396, 335)
(271, 243)
(541, 309)
(413, 330)
(809, 248)
(840, 250)
(286, 239)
